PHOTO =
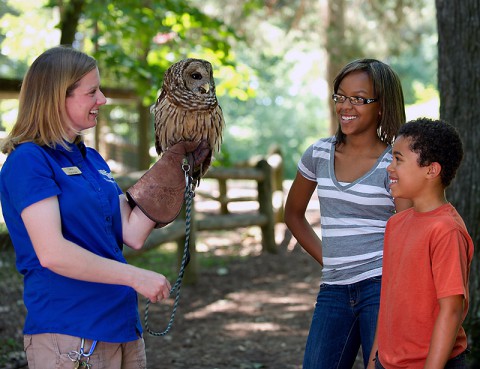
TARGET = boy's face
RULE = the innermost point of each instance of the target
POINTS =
(407, 177)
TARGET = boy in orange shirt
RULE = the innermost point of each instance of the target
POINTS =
(427, 256)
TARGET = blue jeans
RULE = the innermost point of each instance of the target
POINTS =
(345, 317)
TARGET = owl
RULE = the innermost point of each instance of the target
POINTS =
(187, 107)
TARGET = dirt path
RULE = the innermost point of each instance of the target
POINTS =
(253, 314)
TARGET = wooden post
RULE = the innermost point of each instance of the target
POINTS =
(266, 208)
(222, 189)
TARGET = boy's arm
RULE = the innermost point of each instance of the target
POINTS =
(445, 331)
(371, 359)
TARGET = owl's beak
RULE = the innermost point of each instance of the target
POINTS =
(205, 88)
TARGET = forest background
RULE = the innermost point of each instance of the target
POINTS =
(274, 62)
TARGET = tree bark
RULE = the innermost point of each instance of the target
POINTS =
(143, 131)
(335, 48)
(458, 25)
(70, 15)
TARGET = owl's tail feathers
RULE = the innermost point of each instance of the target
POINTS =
(160, 192)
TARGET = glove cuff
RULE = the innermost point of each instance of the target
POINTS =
(160, 192)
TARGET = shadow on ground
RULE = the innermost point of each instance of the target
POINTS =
(254, 313)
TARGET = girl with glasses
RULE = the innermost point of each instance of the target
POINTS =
(348, 171)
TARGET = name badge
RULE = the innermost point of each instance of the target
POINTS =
(71, 171)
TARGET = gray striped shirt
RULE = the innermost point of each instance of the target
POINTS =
(352, 215)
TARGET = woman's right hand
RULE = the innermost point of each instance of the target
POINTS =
(152, 285)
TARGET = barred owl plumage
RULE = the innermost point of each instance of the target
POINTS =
(187, 108)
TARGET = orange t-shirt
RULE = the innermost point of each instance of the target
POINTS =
(427, 257)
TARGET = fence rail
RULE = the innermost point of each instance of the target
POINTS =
(267, 172)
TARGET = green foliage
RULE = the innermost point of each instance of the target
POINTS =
(417, 71)
(8, 114)
(284, 112)
(268, 57)
(285, 105)
(5, 9)
(18, 28)
(162, 259)
(401, 33)
(7, 346)
(135, 41)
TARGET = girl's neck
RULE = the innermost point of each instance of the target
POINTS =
(363, 144)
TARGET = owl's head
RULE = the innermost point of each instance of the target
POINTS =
(192, 75)
(198, 76)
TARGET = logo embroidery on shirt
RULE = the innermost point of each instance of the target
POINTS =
(107, 175)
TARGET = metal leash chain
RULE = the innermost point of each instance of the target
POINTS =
(189, 195)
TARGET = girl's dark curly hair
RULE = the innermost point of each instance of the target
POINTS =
(435, 141)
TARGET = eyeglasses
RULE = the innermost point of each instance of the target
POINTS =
(354, 100)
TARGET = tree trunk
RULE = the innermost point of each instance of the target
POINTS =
(70, 15)
(458, 25)
(335, 48)
(143, 132)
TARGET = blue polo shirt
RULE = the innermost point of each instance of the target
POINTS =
(90, 213)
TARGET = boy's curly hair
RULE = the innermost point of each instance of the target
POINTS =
(435, 141)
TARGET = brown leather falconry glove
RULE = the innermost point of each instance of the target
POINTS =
(160, 192)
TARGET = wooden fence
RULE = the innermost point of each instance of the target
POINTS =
(267, 172)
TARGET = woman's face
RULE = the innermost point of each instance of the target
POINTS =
(357, 119)
(82, 105)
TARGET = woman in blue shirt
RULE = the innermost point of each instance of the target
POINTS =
(68, 221)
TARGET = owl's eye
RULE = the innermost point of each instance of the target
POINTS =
(196, 76)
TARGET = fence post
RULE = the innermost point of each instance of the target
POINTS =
(275, 159)
(265, 206)
(222, 189)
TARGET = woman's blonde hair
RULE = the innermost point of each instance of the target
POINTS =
(387, 89)
(51, 78)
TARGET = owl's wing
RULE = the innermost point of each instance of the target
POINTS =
(217, 124)
(159, 125)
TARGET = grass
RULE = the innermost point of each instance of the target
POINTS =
(7, 346)
(163, 259)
